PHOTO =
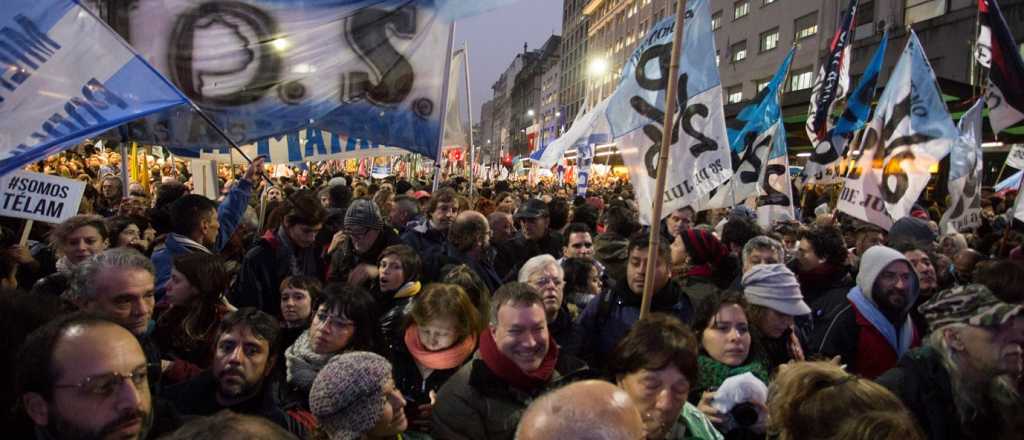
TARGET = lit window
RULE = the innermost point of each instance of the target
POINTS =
(801, 79)
(762, 83)
(741, 9)
(716, 20)
(734, 94)
(718, 61)
(769, 40)
(768, 2)
(921, 10)
(739, 51)
(806, 26)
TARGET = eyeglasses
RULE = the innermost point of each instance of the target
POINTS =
(357, 233)
(104, 385)
(546, 280)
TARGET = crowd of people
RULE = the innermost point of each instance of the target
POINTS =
(344, 307)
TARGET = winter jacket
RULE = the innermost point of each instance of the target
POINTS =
(408, 379)
(824, 280)
(613, 252)
(563, 331)
(264, 267)
(392, 320)
(345, 258)
(198, 397)
(483, 267)
(697, 288)
(476, 404)
(513, 253)
(229, 215)
(609, 317)
(424, 239)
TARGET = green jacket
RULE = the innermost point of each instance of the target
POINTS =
(693, 425)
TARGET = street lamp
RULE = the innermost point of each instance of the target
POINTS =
(529, 113)
(598, 67)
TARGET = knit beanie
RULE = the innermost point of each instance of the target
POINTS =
(347, 396)
(363, 213)
(703, 247)
(774, 286)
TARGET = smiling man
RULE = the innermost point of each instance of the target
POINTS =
(516, 363)
(245, 351)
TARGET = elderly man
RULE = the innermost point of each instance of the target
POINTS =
(502, 227)
(516, 363)
(962, 382)
(587, 409)
(84, 377)
(762, 250)
(869, 327)
(469, 244)
(545, 274)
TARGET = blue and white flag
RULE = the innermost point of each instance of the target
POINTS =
(365, 69)
(910, 131)
(67, 76)
(775, 200)
(589, 128)
(584, 158)
(858, 108)
(700, 157)
(966, 173)
(764, 112)
(308, 145)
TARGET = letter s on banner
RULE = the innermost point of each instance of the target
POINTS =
(32, 196)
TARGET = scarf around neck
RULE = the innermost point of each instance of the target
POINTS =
(899, 340)
(713, 373)
(509, 372)
(446, 359)
(302, 363)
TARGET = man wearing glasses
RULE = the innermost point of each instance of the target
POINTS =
(535, 238)
(81, 376)
(354, 262)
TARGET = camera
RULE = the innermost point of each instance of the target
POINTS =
(744, 414)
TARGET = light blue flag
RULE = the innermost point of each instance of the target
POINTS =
(590, 128)
(68, 76)
(966, 173)
(368, 70)
(775, 200)
(762, 113)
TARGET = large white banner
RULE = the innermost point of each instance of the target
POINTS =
(699, 158)
(965, 175)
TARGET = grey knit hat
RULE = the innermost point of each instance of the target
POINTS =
(775, 287)
(347, 396)
(363, 213)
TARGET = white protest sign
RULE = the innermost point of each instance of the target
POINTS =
(1016, 157)
(39, 197)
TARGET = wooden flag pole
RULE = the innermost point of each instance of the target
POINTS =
(666, 142)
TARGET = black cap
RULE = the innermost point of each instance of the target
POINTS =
(533, 208)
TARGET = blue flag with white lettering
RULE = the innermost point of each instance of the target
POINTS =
(371, 71)
(67, 76)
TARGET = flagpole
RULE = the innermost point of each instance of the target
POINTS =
(444, 106)
(666, 142)
(472, 146)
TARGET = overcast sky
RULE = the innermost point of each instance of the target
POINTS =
(496, 37)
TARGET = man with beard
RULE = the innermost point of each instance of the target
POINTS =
(928, 281)
(545, 274)
(610, 315)
(245, 351)
(516, 363)
(535, 238)
(428, 237)
(869, 327)
(83, 377)
(961, 383)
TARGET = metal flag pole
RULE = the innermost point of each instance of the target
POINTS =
(444, 106)
(224, 135)
(666, 142)
(472, 146)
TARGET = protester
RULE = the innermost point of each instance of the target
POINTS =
(404, 210)
(611, 248)
(300, 297)
(818, 400)
(516, 363)
(288, 250)
(656, 364)
(464, 277)
(583, 282)
(578, 242)
(354, 262)
(398, 284)
(708, 266)
(428, 238)
(544, 274)
(610, 316)
(963, 382)
(74, 240)
(502, 227)
(245, 350)
(130, 231)
(227, 425)
(773, 300)
(354, 397)
(869, 327)
(865, 237)
(469, 244)
(535, 237)
(440, 338)
(762, 250)
(587, 409)
(820, 263)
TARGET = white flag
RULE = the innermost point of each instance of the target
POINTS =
(775, 202)
(965, 175)
(1016, 157)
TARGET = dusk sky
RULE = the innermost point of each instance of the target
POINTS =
(495, 37)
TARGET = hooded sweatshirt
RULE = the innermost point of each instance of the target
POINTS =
(868, 342)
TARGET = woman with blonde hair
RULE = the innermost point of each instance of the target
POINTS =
(819, 400)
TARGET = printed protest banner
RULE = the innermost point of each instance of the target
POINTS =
(700, 158)
(997, 51)
(833, 80)
(39, 197)
(775, 202)
(67, 76)
(306, 145)
(965, 175)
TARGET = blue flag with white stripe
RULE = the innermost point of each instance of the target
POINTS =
(67, 76)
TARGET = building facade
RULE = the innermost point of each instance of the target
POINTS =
(573, 76)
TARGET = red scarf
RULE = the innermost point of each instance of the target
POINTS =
(448, 358)
(509, 372)
(703, 270)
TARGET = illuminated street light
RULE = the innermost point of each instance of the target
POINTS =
(598, 67)
(529, 113)
(279, 43)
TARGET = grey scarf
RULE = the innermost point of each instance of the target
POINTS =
(302, 363)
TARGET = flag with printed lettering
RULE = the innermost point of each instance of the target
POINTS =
(858, 107)
(833, 80)
(66, 76)
(910, 131)
(700, 158)
(997, 50)
(965, 175)
(589, 128)
(1015, 158)
(775, 200)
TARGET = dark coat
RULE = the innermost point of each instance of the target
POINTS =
(345, 258)
(263, 269)
(476, 404)
(513, 253)
(408, 379)
(564, 331)
(199, 397)
(426, 241)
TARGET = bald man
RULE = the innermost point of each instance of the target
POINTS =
(469, 243)
(590, 409)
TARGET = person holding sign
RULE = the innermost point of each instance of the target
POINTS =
(75, 240)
